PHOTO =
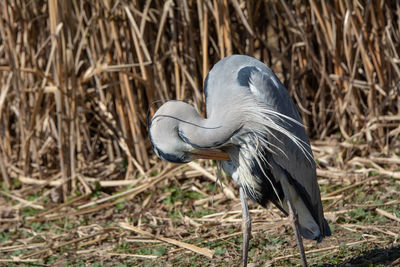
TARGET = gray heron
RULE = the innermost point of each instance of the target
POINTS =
(254, 130)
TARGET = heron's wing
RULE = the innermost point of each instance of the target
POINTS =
(297, 161)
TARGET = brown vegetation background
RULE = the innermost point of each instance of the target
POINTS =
(77, 79)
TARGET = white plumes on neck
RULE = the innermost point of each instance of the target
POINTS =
(260, 121)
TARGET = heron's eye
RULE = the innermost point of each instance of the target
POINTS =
(184, 157)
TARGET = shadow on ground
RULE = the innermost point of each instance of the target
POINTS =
(380, 256)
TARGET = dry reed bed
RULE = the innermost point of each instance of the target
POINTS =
(77, 79)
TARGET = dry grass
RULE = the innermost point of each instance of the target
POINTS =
(77, 78)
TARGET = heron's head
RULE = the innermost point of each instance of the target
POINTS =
(168, 140)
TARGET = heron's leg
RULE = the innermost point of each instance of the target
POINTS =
(295, 224)
(246, 225)
(294, 220)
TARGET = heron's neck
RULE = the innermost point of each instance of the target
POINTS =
(208, 132)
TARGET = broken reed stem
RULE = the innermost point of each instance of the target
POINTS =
(387, 214)
(203, 251)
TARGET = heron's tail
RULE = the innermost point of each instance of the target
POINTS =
(312, 222)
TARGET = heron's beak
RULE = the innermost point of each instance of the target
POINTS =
(210, 154)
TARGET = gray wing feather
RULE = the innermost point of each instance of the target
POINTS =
(267, 88)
